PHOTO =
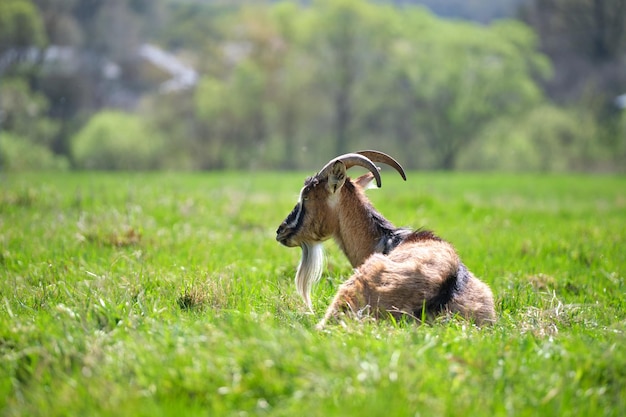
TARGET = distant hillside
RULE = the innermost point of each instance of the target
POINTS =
(482, 11)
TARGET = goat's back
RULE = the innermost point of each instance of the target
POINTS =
(422, 274)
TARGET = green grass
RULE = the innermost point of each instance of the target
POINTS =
(166, 295)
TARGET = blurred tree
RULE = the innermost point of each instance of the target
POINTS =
(115, 31)
(275, 43)
(256, 103)
(20, 154)
(233, 116)
(289, 85)
(461, 76)
(21, 26)
(24, 112)
(115, 140)
(545, 139)
(347, 38)
(586, 40)
(93, 52)
(61, 25)
(26, 132)
(619, 150)
(175, 118)
(191, 25)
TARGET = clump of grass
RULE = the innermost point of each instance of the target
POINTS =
(19, 198)
(109, 228)
(215, 293)
(542, 281)
(127, 237)
(192, 299)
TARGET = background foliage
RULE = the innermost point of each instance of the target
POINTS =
(113, 140)
(282, 84)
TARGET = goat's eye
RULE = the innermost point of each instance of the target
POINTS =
(305, 197)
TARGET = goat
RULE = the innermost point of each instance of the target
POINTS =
(398, 271)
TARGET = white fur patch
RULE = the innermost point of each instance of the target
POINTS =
(333, 200)
(309, 270)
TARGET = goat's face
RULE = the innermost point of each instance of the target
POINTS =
(313, 218)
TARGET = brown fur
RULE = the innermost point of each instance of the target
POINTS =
(356, 235)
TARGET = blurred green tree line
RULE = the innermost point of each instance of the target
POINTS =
(200, 85)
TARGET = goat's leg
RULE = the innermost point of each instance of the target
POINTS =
(348, 299)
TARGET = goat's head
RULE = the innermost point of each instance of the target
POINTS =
(315, 216)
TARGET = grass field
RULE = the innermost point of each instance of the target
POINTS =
(167, 295)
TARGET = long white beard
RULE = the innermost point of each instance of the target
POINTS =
(309, 270)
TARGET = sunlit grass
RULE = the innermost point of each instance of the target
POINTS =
(166, 294)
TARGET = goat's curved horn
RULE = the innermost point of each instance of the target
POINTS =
(350, 160)
(376, 156)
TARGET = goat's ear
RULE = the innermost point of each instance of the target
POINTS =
(337, 177)
(365, 181)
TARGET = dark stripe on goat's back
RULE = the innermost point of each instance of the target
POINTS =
(422, 235)
(453, 285)
(395, 237)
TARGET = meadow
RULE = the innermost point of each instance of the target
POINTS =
(165, 294)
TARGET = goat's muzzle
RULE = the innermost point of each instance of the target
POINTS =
(289, 226)
(282, 234)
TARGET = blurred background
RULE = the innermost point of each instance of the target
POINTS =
(504, 85)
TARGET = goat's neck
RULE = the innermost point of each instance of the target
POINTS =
(361, 227)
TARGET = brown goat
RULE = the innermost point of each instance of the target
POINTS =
(398, 271)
